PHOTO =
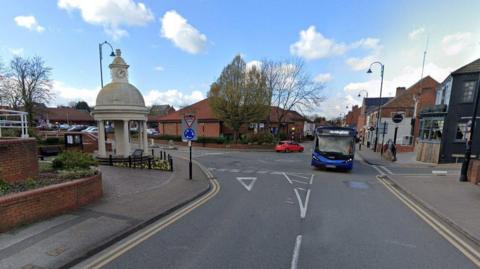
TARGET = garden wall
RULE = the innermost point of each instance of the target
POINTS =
(18, 159)
(29, 206)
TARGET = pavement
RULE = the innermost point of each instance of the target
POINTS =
(133, 198)
(275, 211)
(451, 200)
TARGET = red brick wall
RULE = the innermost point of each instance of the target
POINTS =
(18, 159)
(209, 129)
(170, 128)
(352, 116)
(474, 171)
(29, 206)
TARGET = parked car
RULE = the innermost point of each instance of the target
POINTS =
(64, 127)
(77, 128)
(90, 129)
(152, 131)
(288, 146)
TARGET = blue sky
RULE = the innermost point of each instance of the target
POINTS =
(177, 48)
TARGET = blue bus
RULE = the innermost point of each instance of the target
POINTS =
(334, 147)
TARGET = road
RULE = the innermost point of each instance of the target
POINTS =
(274, 211)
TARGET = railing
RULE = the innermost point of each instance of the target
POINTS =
(141, 162)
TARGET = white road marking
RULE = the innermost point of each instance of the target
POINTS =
(303, 208)
(262, 172)
(296, 252)
(378, 170)
(298, 181)
(387, 170)
(311, 179)
(297, 175)
(234, 170)
(222, 170)
(288, 179)
(248, 186)
(277, 173)
(439, 172)
(211, 168)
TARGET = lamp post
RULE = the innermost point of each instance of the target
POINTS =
(468, 149)
(360, 93)
(112, 54)
(379, 102)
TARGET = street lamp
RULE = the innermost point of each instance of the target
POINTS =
(468, 149)
(379, 102)
(366, 92)
(112, 54)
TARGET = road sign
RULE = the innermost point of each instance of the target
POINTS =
(189, 127)
(397, 118)
(189, 134)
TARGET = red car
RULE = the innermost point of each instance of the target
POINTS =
(288, 146)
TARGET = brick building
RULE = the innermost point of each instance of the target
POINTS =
(351, 119)
(407, 102)
(210, 126)
(60, 115)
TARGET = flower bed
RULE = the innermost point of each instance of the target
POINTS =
(29, 206)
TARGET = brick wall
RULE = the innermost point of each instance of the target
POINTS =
(208, 129)
(18, 159)
(29, 206)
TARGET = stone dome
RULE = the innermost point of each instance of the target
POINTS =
(120, 94)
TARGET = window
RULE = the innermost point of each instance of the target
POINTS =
(468, 91)
(431, 128)
(461, 132)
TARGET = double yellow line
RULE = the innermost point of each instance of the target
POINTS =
(143, 235)
(467, 250)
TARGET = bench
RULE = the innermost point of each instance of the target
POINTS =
(49, 151)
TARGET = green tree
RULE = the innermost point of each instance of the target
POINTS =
(240, 95)
(82, 105)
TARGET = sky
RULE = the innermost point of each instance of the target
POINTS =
(176, 49)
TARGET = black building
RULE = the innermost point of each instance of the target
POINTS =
(444, 128)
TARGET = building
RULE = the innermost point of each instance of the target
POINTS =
(156, 112)
(364, 118)
(351, 119)
(405, 102)
(61, 115)
(444, 126)
(210, 126)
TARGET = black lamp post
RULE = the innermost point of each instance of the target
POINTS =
(468, 149)
(379, 102)
(112, 54)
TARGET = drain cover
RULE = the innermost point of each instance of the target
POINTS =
(357, 185)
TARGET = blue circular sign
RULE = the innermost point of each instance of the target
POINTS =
(189, 133)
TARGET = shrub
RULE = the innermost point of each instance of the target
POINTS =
(45, 166)
(74, 174)
(30, 183)
(52, 141)
(4, 187)
(73, 160)
(206, 139)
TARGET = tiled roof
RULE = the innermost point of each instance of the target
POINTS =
(204, 112)
(405, 99)
(472, 67)
(62, 114)
(375, 101)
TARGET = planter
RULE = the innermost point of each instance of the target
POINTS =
(29, 206)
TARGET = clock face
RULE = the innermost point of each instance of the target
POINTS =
(121, 73)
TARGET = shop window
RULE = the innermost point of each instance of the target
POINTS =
(468, 91)
(431, 128)
(461, 132)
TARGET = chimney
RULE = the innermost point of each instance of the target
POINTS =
(399, 91)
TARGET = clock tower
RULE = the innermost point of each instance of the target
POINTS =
(118, 68)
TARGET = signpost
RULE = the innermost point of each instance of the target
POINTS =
(189, 133)
(397, 118)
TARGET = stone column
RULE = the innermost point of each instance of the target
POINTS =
(140, 135)
(145, 137)
(126, 135)
(102, 151)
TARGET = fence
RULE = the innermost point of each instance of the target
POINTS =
(138, 161)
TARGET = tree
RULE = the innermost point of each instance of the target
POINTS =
(239, 96)
(291, 87)
(82, 105)
(27, 84)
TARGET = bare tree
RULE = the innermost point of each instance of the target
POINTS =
(239, 96)
(291, 87)
(27, 83)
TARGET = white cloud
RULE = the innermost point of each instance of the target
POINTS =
(16, 51)
(415, 33)
(255, 63)
(64, 93)
(456, 43)
(322, 78)
(173, 97)
(358, 64)
(159, 68)
(362, 63)
(111, 14)
(335, 106)
(313, 45)
(367, 43)
(29, 22)
(183, 35)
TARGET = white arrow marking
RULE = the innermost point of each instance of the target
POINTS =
(247, 186)
(288, 179)
(303, 208)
